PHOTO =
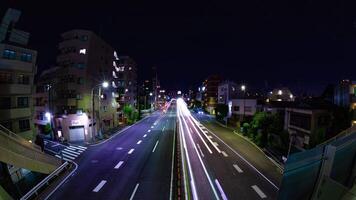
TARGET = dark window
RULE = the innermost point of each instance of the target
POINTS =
(236, 108)
(23, 79)
(81, 65)
(5, 77)
(24, 125)
(9, 54)
(27, 57)
(22, 102)
(300, 120)
(5, 102)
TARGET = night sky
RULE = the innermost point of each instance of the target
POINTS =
(303, 44)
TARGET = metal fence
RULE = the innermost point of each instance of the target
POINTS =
(308, 174)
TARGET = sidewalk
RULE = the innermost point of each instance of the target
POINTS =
(249, 151)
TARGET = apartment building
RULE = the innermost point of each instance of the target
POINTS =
(210, 90)
(17, 70)
(84, 63)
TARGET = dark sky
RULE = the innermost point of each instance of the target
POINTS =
(300, 43)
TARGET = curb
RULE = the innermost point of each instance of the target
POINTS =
(62, 182)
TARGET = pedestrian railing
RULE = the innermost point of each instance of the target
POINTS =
(45, 182)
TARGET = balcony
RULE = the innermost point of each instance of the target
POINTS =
(15, 89)
(14, 113)
(17, 65)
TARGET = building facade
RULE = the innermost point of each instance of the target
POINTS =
(84, 62)
(125, 79)
(227, 90)
(210, 89)
(17, 70)
(303, 123)
(345, 96)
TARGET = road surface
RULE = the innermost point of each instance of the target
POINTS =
(135, 164)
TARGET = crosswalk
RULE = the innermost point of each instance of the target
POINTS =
(71, 152)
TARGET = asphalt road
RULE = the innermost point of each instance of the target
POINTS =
(226, 173)
(135, 164)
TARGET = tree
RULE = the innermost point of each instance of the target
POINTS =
(47, 129)
(221, 111)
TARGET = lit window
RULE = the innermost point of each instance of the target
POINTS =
(280, 92)
(83, 51)
(130, 68)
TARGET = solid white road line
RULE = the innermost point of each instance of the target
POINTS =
(131, 150)
(66, 159)
(119, 165)
(238, 169)
(78, 147)
(197, 132)
(139, 142)
(200, 159)
(259, 191)
(71, 154)
(247, 162)
(134, 191)
(71, 151)
(149, 131)
(99, 186)
(222, 193)
(76, 150)
(144, 135)
(171, 185)
(201, 152)
(68, 156)
(224, 153)
(154, 148)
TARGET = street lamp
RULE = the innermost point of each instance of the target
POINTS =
(243, 88)
(104, 84)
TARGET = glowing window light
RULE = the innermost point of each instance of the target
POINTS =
(83, 51)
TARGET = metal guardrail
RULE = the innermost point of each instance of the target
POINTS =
(44, 182)
(19, 138)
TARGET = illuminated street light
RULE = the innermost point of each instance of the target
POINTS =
(105, 84)
(151, 94)
(243, 87)
(48, 116)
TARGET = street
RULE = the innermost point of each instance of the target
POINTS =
(217, 168)
(135, 164)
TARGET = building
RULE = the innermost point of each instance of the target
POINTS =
(303, 122)
(210, 89)
(146, 95)
(243, 108)
(125, 79)
(85, 62)
(280, 94)
(41, 98)
(17, 71)
(227, 90)
(345, 96)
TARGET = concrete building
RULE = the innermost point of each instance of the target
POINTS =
(210, 89)
(227, 90)
(17, 70)
(240, 108)
(85, 61)
(125, 79)
(41, 99)
(280, 94)
(303, 121)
